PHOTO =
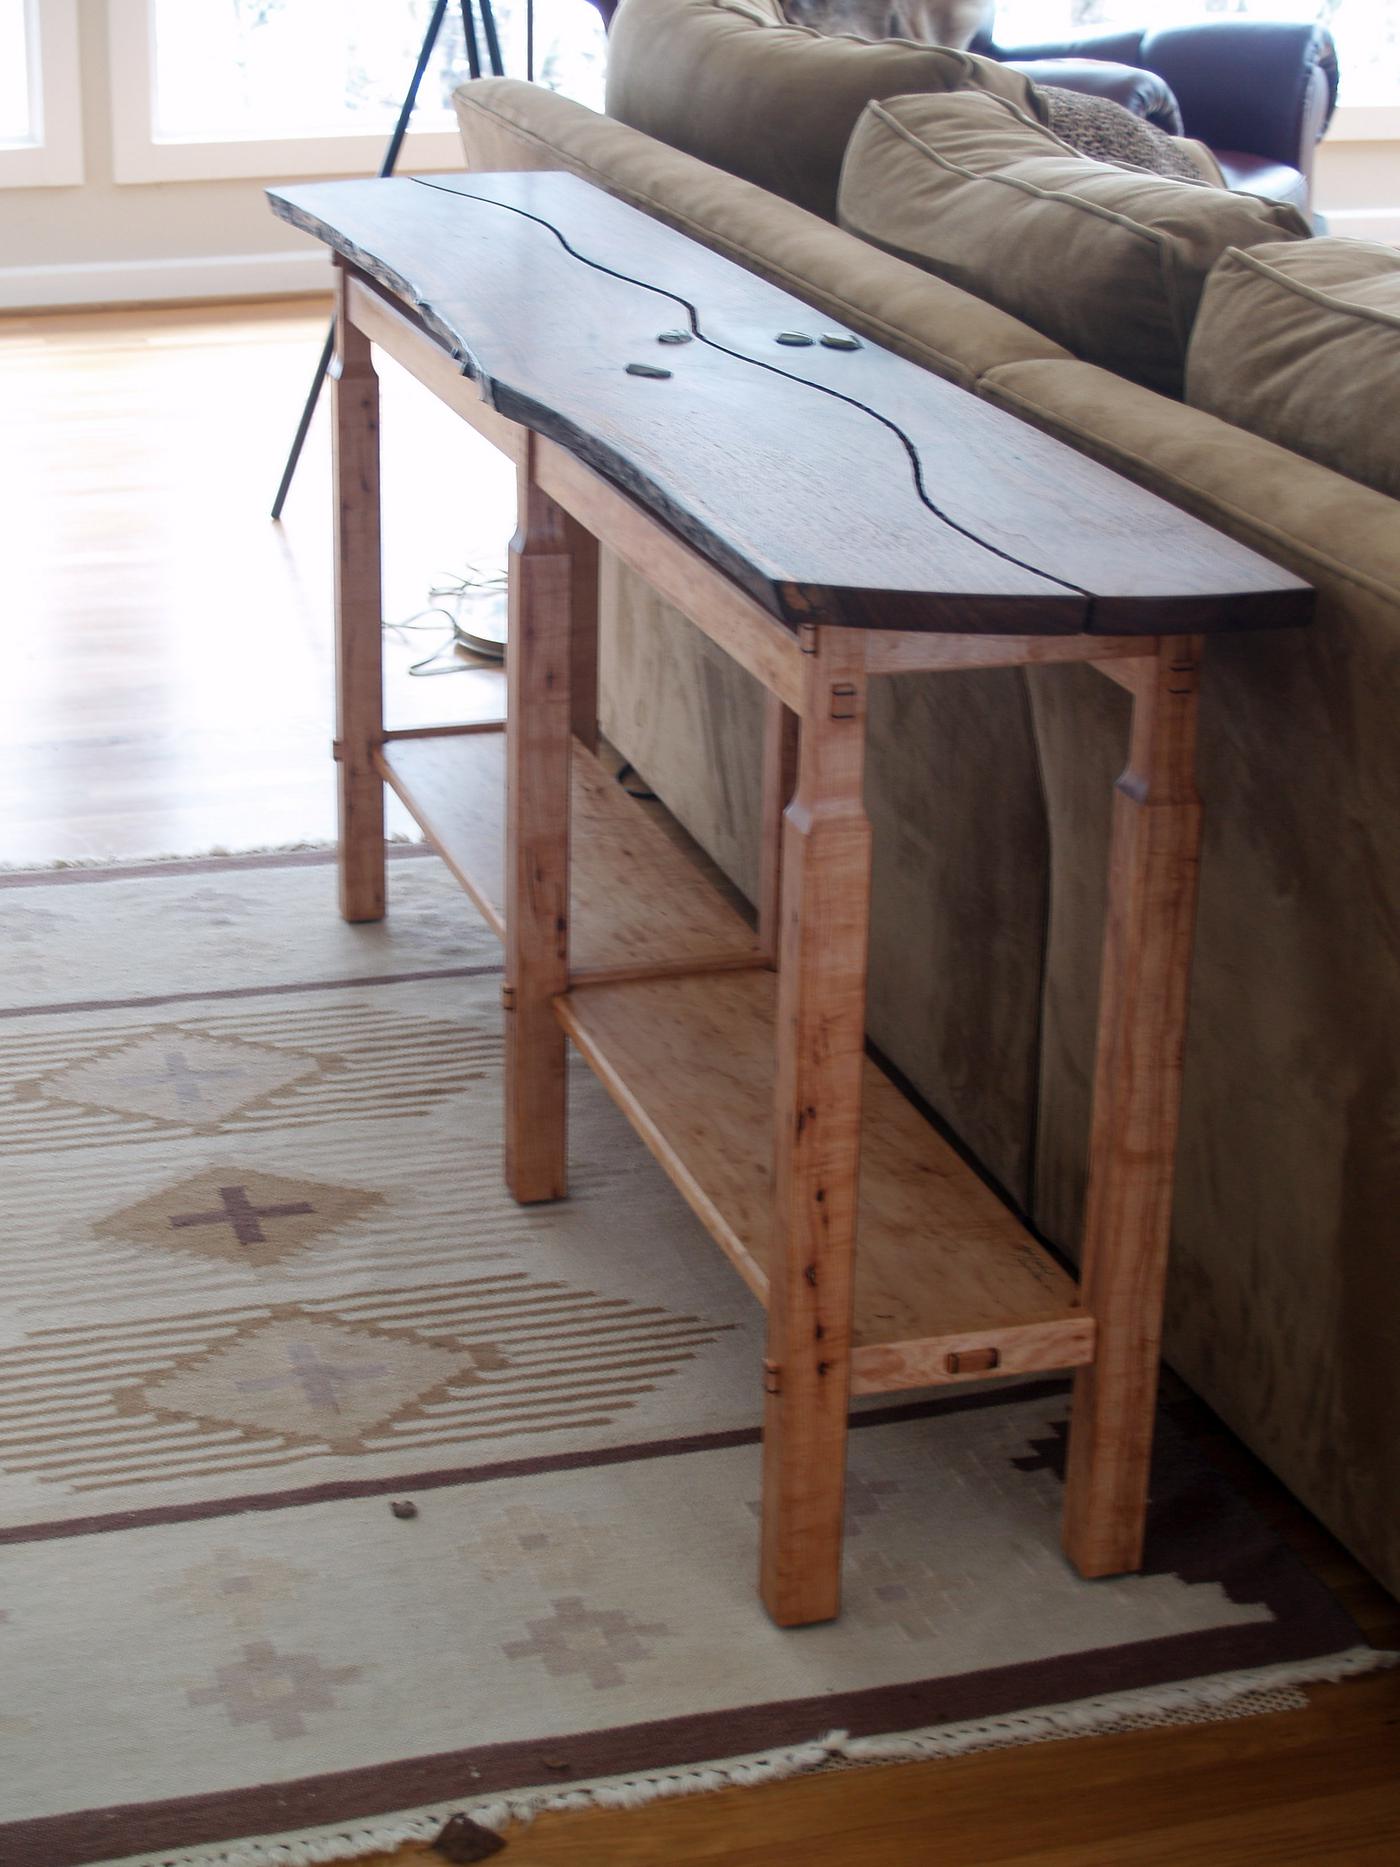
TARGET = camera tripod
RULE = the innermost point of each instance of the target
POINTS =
(470, 9)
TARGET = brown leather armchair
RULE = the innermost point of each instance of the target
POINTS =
(1258, 93)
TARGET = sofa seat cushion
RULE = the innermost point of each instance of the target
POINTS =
(1108, 261)
(1261, 175)
(1301, 343)
(732, 82)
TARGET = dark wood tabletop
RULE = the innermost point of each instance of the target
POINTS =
(828, 481)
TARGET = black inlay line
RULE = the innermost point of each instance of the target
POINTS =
(740, 356)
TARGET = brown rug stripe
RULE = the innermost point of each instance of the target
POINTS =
(436, 1480)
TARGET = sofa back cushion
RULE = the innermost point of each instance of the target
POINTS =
(730, 81)
(1109, 261)
(1301, 343)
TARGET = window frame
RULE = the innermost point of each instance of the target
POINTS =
(138, 155)
(53, 157)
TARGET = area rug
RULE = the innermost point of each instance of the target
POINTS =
(337, 1493)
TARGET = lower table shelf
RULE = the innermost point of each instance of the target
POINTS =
(949, 1285)
(639, 903)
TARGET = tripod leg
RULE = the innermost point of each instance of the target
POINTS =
(386, 167)
(469, 36)
(493, 43)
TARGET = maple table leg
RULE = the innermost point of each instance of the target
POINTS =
(583, 653)
(359, 676)
(820, 1058)
(539, 650)
(779, 776)
(1153, 863)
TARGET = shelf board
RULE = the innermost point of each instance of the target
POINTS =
(945, 1275)
(639, 904)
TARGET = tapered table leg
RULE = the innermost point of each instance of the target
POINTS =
(820, 1056)
(539, 719)
(359, 677)
(779, 776)
(1153, 863)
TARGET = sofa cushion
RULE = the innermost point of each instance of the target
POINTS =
(1108, 261)
(1301, 343)
(955, 23)
(730, 81)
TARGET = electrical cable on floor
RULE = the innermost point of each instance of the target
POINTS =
(474, 584)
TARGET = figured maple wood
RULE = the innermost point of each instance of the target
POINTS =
(539, 652)
(676, 571)
(583, 639)
(888, 652)
(359, 686)
(1153, 862)
(940, 1262)
(638, 904)
(823, 931)
(779, 776)
(855, 485)
(398, 329)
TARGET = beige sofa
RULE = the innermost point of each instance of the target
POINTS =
(989, 792)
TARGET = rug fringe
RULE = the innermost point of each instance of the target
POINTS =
(213, 853)
(1193, 1701)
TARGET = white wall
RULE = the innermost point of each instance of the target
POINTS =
(1357, 186)
(101, 243)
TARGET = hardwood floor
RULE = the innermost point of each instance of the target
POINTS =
(167, 682)
(167, 687)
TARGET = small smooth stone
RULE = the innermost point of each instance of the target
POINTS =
(796, 339)
(834, 340)
(647, 369)
(404, 1507)
(675, 337)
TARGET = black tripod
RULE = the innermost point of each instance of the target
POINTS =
(391, 156)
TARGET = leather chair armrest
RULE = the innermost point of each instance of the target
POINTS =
(1252, 85)
(1142, 92)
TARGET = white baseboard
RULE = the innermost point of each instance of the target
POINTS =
(1365, 223)
(142, 281)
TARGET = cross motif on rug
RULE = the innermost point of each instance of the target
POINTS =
(178, 1075)
(320, 1381)
(239, 1212)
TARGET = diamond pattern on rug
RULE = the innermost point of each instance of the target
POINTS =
(256, 1387)
(239, 1213)
(247, 1070)
(599, 1643)
(176, 1075)
(314, 1380)
(279, 1690)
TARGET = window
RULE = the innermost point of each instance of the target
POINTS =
(40, 124)
(1367, 33)
(212, 88)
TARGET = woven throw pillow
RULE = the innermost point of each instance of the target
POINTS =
(1108, 261)
(1106, 132)
(729, 81)
(1301, 344)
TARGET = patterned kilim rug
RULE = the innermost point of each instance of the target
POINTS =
(338, 1493)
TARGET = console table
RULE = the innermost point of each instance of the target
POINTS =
(829, 514)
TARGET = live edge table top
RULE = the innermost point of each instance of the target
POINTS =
(845, 486)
